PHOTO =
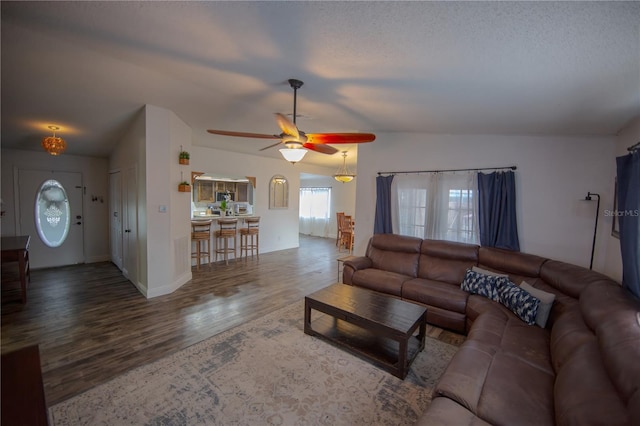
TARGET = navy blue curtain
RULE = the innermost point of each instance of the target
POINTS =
(629, 217)
(497, 210)
(382, 223)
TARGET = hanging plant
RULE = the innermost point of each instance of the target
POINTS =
(184, 187)
(184, 156)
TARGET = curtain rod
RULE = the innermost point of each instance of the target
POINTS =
(449, 170)
(633, 147)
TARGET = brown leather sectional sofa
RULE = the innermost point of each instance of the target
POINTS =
(583, 368)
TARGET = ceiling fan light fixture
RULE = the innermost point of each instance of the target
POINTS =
(293, 155)
(52, 144)
(343, 174)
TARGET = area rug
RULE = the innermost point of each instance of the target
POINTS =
(264, 372)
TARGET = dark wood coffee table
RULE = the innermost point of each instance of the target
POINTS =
(375, 326)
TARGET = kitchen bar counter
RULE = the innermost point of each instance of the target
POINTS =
(216, 217)
(214, 226)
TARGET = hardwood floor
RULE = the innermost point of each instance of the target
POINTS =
(92, 324)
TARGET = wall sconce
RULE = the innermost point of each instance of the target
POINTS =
(595, 230)
(343, 174)
(52, 144)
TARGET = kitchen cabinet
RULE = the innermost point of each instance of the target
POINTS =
(242, 192)
(204, 190)
(208, 189)
(225, 186)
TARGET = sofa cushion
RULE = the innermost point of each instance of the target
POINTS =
(477, 305)
(395, 253)
(523, 304)
(569, 332)
(584, 393)
(569, 279)
(488, 272)
(379, 280)
(518, 265)
(435, 293)
(463, 379)
(546, 302)
(509, 334)
(615, 315)
(562, 303)
(482, 284)
(446, 412)
(498, 387)
(444, 318)
(446, 261)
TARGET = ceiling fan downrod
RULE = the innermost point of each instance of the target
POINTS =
(295, 84)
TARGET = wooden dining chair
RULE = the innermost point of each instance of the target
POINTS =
(339, 216)
(347, 233)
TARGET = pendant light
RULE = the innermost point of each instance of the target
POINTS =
(343, 174)
(52, 144)
(293, 152)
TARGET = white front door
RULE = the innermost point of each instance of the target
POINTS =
(115, 217)
(71, 249)
(130, 225)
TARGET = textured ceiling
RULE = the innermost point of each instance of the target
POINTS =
(547, 68)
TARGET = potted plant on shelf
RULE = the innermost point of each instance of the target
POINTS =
(184, 186)
(225, 208)
(184, 157)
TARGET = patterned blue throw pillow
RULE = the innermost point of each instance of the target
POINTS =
(482, 284)
(521, 303)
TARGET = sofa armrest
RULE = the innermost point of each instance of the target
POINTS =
(353, 265)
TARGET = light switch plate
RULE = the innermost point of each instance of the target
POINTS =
(162, 208)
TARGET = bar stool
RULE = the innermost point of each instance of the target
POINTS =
(252, 230)
(201, 234)
(228, 231)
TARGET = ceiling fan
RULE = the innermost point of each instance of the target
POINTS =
(296, 140)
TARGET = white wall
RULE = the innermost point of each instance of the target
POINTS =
(343, 198)
(94, 179)
(152, 145)
(278, 228)
(168, 245)
(554, 175)
(128, 153)
(628, 136)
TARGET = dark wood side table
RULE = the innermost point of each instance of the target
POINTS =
(17, 249)
(23, 401)
(375, 326)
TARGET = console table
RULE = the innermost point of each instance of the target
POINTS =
(17, 249)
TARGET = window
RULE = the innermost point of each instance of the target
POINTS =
(52, 213)
(412, 206)
(461, 217)
(315, 211)
(438, 206)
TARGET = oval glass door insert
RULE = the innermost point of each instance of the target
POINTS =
(53, 215)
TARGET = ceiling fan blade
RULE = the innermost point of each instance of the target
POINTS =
(271, 146)
(324, 149)
(323, 138)
(288, 128)
(244, 134)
